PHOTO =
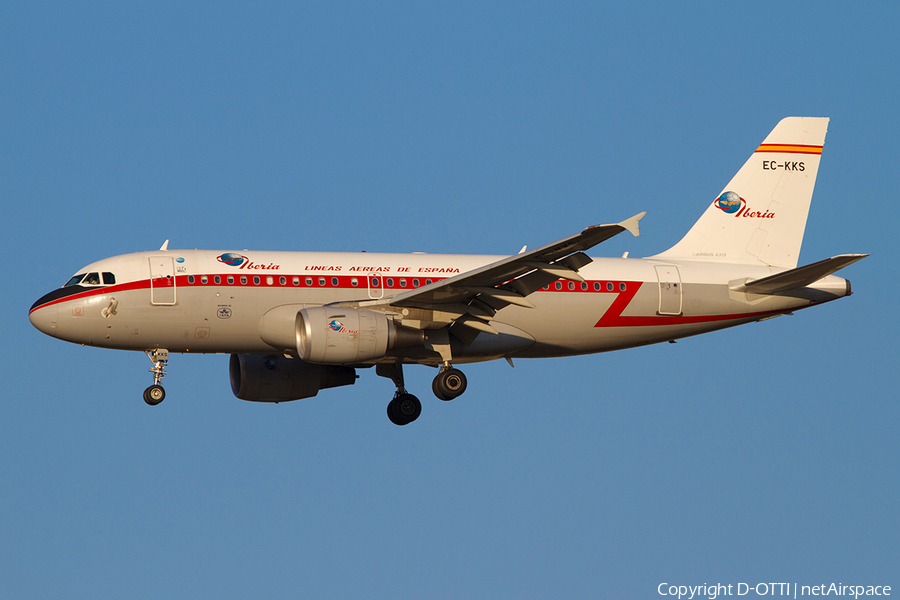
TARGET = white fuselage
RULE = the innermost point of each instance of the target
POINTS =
(194, 301)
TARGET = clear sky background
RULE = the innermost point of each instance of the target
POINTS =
(764, 453)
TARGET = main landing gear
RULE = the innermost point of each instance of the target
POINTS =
(449, 383)
(155, 394)
(406, 408)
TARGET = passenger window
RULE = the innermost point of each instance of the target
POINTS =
(354, 282)
(571, 285)
(559, 285)
(402, 283)
(309, 281)
(231, 280)
(622, 286)
(415, 283)
(203, 279)
(334, 281)
(190, 279)
(217, 279)
(282, 280)
(390, 281)
(295, 281)
(609, 286)
(256, 280)
(243, 280)
(596, 286)
(583, 285)
(75, 280)
(269, 280)
(109, 278)
(321, 282)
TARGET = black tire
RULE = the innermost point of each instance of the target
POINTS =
(408, 407)
(437, 389)
(404, 409)
(392, 415)
(154, 394)
(450, 383)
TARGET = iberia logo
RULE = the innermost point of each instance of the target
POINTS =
(729, 202)
(336, 325)
(231, 259)
(732, 204)
(240, 261)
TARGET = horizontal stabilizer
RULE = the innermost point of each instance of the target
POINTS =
(799, 277)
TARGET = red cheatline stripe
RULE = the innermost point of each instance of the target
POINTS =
(790, 148)
(354, 282)
(613, 316)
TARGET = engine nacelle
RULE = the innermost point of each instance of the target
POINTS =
(273, 378)
(330, 335)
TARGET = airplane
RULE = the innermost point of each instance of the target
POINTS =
(296, 323)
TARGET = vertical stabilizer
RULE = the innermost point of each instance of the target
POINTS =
(760, 216)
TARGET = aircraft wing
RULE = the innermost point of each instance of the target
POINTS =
(478, 294)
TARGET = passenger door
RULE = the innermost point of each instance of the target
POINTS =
(162, 280)
(670, 292)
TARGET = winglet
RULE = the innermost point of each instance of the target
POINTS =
(631, 225)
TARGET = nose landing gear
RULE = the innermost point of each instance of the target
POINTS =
(155, 394)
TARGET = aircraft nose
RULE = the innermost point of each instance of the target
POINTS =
(44, 319)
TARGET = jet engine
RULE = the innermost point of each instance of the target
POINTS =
(330, 335)
(273, 378)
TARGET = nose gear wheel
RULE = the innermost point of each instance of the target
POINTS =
(155, 394)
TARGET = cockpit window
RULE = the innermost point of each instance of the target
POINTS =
(75, 280)
(109, 278)
(92, 279)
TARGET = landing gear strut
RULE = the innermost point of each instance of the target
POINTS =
(404, 408)
(449, 383)
(155, 394)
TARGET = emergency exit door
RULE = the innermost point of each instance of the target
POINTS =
(376, 286)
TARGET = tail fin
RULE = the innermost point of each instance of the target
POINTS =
(760, 216)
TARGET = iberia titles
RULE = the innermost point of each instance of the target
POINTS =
(732, 204)
(381, 269)
(242, 262)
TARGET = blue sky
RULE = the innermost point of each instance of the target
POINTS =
(767, 452)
